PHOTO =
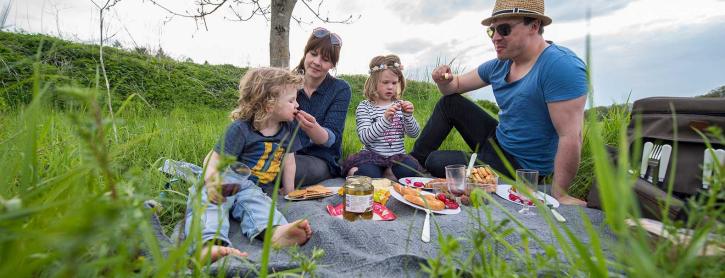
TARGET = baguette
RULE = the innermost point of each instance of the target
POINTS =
(433, 204)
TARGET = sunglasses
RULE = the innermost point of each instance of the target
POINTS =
(502, 29)
(320, 32)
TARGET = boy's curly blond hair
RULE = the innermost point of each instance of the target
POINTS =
(391, 62)
(260, 89)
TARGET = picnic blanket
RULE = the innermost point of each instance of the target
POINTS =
(391, 248)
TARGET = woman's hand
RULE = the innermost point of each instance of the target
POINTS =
(309, 126)
(307, 121)
(390, 112)
(406, 107)
(442, 75)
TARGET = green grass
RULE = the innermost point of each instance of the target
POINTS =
(71, 197)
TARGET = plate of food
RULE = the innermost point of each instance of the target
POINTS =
(311, 192)
(420, 199)
(510, 194)
(417, 182)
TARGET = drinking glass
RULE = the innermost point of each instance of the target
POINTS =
(456, 180)
(233, 177)
(530, 179)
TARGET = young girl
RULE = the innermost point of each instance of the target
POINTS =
(259, 137)
(383, 120)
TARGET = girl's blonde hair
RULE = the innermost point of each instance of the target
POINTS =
(379, 64)
(260, 89)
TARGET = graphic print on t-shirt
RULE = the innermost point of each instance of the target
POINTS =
(264, 158)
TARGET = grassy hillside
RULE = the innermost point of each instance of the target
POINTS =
(163, 82)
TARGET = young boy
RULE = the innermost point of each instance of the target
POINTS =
(259, 136)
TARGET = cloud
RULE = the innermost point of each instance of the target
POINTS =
(436, 11)
(562, 11)
(432, 11)
(409, 46)
(672, 61)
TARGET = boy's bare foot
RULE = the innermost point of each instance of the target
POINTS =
(569, 200)
(295, 233)
(352, 171)
(217, 252)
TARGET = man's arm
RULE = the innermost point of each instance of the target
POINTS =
(457, 84)
(568, 118)
(288, 173)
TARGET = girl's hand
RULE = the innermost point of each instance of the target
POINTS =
(442, 75)
(406, 107)
(390, 112)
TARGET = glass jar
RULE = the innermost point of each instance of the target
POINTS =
(358, 198)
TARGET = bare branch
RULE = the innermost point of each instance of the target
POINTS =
(257, 10)
(317, 14)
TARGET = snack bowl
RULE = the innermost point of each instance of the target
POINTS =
(484, 174)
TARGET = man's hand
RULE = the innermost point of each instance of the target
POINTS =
(442, 75)
(390, 112)
(407, 107)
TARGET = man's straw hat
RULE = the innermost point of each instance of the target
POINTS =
(518, 8)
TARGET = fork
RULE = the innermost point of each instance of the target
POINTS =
(653, 164)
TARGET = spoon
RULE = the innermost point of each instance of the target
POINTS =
(425, 237)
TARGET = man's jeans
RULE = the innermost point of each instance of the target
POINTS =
(477, 128)
(250, 206)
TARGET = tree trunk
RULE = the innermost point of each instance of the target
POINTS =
(279, 32)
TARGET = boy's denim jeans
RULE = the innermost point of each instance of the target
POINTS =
(250, 206)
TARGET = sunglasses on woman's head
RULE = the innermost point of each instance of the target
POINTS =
(502, 29)
(320, 32)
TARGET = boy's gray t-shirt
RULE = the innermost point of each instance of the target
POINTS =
(262, 154)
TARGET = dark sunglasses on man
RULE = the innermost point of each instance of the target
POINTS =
(320, 32)
(502, 29)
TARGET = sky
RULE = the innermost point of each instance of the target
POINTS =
(640, 48)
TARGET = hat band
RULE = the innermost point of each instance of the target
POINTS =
(515, 11)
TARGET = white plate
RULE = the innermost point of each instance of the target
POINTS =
(333, 189)
(502, 190)
(402, 199)
(409, 181)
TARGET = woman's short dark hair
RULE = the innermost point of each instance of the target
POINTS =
(528, 20)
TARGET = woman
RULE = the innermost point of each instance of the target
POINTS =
(323, 101)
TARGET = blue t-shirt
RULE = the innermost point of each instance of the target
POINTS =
(262, 154)
(525, 129)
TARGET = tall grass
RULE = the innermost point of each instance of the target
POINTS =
(59, 217)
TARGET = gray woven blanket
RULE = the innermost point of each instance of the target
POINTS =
(390, 248)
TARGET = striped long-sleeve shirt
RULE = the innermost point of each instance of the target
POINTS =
(381, 135)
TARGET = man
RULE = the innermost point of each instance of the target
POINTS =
(540, 88)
